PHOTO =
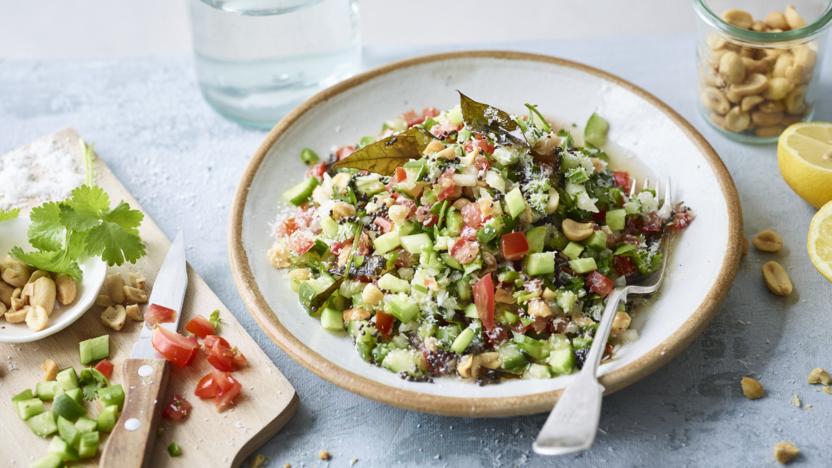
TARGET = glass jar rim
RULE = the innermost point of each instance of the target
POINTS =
(812, 29)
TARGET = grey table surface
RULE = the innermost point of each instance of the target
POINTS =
(182, 162)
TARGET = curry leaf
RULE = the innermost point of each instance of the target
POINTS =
(385, 155)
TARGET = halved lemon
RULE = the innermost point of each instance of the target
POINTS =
(804, 153)
(819, 241)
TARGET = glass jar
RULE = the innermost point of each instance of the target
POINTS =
(759, 64)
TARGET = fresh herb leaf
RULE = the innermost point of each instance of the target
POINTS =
(8, 215)
(488, 119)
(91, 380)
(385, 155)
(537, 118)
(215, 320)
(46, 232)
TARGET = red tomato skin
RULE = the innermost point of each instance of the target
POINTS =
(343, 152)
(484, 300)
(206, 387)
(471, 215)
(317, 171)
(179, 350)
(221, 355)
(287, 227)
(401, 174)
(229, 389)
(156, 314)
(383, 224)
(384, 323)
(105, 366)
(599, 284)
(624, 266)
(200, 326)
(178, 409)
(514, 245)
(464, 250)
(621, 179)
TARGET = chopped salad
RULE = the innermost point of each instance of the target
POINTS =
(470, 242)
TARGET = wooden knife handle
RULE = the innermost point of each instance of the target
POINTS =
(130, 444)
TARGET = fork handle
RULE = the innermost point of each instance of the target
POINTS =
(573, 422)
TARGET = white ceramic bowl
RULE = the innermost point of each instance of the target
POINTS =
(702, 266)
(13, 233)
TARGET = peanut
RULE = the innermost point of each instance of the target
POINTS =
(134, 312)
(114, 287)
(752, 388)
(50, 369)
(621, 322)
(819, 376)
(6, 293)
(776, 20)
(36, 317)
(576, 231)
(16, 273)
(739, 18)
(714, 100)
(136, 295)
(785, 452)
(371, 295)
(767, 240)
(67, 289)
(16, 316)
(114, 317)
(731, 68)
(748, 102)
(43, 294)
(355, 313)
(793, 18)
(776, 279)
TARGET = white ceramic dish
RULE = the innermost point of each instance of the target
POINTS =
(701, 269)
(14, 233)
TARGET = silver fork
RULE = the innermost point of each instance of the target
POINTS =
(573, 422)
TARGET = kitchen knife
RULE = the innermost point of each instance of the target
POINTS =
(145, 373)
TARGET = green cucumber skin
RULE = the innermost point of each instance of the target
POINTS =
(94, 349)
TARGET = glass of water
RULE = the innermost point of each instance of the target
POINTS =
(256, 59)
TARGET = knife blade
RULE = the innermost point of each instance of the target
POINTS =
(168, 292)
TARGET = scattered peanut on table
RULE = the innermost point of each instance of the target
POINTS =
(767, 240)
(752, 388)
(777, 279)
(785, 452)
(757, 89)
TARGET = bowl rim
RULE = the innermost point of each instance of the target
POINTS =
(656, 357)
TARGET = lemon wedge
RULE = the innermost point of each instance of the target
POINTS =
(804, 154)
(819, 241)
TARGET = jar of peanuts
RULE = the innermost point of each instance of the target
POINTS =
(758, 63)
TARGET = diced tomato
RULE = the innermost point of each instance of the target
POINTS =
(600, 217)
(178, 409)
(287, 227)
(158, 314)
(179, 350)
(621, 179)
(401, 174)
(105, 367)
(479, 141)
(681, 219)
(540, 324)
(514, 245)
(652, 223)
(222, 355)
(599, 284)
(407, 203)
(200, 326)
(481, 163)
(206, 387)
(424, 216)
(383, 224)
(497, 335)
(471, 215)
(384, 323)
(465, 251)
(468, 233)
(228, 389)
(414, 118)
(483, 291)
(447, 188)
(624, 266)
(301, 241)
(317, 171)
(344, 151)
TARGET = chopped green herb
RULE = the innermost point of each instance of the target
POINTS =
(308, 156)
(8, 215)
(174, 450)
(215, 320)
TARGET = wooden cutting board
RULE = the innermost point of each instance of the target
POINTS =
(207, 438)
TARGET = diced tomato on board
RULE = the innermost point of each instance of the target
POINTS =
(179, 350)
(178, 409)
(200, 326)
(156, 314)
(105, 366)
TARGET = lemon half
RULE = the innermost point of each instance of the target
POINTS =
(819, 241)
(804, 153)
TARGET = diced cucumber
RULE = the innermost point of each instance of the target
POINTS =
(453, 222)
(598, 240)
(67, 378)
(405, 228)
(537, 371)
(94, 349)
(451, 262)
(300, 192)
(507, 317)
(515, 203)
(27, 409)
(462, 341)
(88, 444)
(416, 243)
(561, 359)
(386, 242)
(308, 156)
(65, 406)
(616, 219)
(331, 320)
(471, 311)
(68, 432)
(50, 460)
(447, 334)
(536, 349)
(505, 155)
(75, 394)
(399, 360)
(566, 300)
(24, 395)
(495, 181)
(112, 395)
(402, 307)
(86, 425)
(556, 240)
(596, 130)
(540, 263)
(511, 357)
(389, 282)
(583, 265)
(573, 250)
(536, 237)
(63, 449)
(43, 424)
(463, 290)
(369, 185)
(329, 227)
(624, 249)
(46, 390)
(108, 416)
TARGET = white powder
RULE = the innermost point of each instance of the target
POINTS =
(48, 169)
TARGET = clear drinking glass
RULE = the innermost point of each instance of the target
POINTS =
(758, 77)
(256, 59)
